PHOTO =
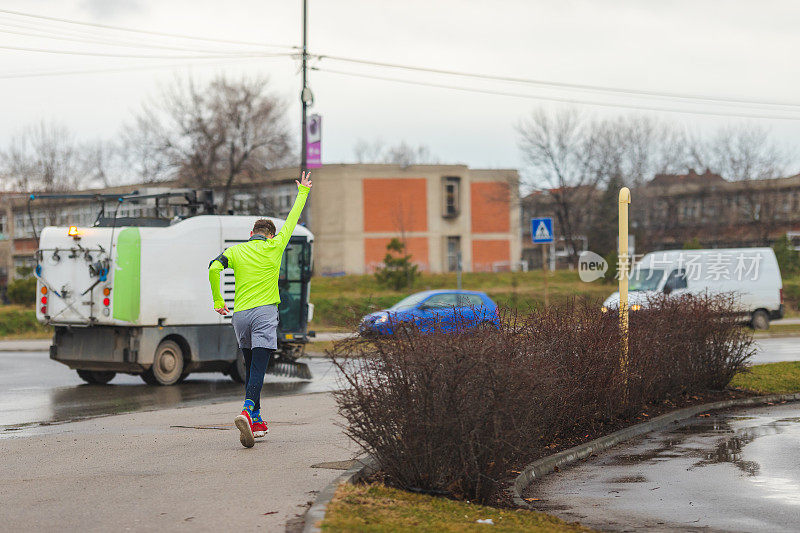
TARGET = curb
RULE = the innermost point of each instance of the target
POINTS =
(316, 513)
(25, 345)
(546, 465)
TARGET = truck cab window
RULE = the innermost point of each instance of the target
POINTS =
(676, 280)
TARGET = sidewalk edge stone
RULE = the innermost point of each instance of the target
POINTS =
(364, 466)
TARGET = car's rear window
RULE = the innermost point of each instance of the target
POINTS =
(442, 300)
(470, 300)
(410, 301)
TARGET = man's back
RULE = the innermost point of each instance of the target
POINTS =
(256, 266)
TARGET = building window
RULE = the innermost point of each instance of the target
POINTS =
(24, 262)
(453, 253)
(451, 192)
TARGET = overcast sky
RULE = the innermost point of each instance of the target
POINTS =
(723, 48)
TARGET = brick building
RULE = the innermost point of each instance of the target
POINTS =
(671, 209)
(439, 211)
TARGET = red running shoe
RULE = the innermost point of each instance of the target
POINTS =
(245, 427)
(260, 429)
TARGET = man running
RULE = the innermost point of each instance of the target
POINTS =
(256, 265)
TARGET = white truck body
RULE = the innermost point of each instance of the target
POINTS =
(114, 294)
(751, 275)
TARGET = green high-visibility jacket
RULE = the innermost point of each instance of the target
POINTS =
(256, 264)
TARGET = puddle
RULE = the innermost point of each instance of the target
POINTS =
(691, 440)
(709, 425)
(336, 465)
(730, 451)
(664, 450)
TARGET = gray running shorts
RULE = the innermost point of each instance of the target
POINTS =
(257, 327)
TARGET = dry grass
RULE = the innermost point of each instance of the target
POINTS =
(377, 508)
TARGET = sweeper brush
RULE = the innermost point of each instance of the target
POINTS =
(280, 366)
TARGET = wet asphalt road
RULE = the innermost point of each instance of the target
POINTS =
(738, 471)
(34, 390)
(777, 349)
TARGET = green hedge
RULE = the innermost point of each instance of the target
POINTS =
(791, 294)
(22, 291)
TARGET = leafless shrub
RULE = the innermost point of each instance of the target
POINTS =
(453, 412)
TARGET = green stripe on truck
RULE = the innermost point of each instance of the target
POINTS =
(126, 275)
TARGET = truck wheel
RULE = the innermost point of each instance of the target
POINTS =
(760, 320)
(167, 367)
(96, 377)
(238, 371)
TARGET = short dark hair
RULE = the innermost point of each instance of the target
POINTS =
(264, 226)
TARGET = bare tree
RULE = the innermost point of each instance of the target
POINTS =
(406, 155)
(211, 135)
(103, 163)
(368, 152)
(44, 157)
(747, 154)
(633, 148)
(402, 154)
(560, 150)
(741, 153)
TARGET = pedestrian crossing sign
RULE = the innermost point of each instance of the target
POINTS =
(542, 230)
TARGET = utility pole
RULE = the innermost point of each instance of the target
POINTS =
(306, 98)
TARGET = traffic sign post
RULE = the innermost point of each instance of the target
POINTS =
(542, 233)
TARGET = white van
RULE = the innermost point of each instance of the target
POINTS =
(751, 274)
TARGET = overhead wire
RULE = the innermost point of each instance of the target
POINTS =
(60, 33)
(557, 84)
(50, 28)
(556, 98)
(128, 68)
(140, 31)
(114, 43)
(140, 56)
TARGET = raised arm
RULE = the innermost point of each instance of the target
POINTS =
(303, 188)
(216, 266)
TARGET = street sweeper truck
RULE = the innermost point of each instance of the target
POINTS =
(130, 295)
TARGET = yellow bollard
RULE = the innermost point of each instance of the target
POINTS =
(623, 266)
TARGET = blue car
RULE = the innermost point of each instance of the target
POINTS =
(439, 310)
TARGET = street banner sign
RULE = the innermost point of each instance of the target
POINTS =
(542, 230)
(314, 142)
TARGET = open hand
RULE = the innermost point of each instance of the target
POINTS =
(222, 310)
(305, 179)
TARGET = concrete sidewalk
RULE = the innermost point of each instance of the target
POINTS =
(175, 469)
